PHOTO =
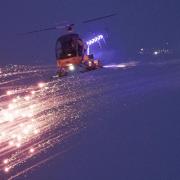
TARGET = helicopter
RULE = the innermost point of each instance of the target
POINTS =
(71, 51)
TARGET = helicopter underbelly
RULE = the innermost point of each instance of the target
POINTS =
(77, 64)
(65, 62)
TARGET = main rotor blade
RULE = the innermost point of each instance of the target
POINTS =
(68, 25)
(42, 30)
(99, 18)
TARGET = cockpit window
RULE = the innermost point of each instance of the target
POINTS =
(68, 46)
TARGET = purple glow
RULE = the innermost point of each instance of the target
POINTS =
(94, 40)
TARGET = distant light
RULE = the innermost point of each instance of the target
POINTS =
(156, 53)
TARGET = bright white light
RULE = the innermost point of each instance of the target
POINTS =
(27, 98)
(31, 150)
(71, 67)
(11, 143)
(18, 145)
(156, 53)
(8, 116)
(36, 132)
(6, 169)
(9, 93)
(11, 106)
(5, 161)
(116, 66)
(41, 85)
(122, 65)
(90, 63)
(3, 134)
(33, 92)
(14, 100)
(19, 138)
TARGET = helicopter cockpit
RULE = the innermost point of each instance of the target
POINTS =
(69, 45)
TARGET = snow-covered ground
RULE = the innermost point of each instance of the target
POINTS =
(120, 122)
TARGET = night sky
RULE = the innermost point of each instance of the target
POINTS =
(139, 24)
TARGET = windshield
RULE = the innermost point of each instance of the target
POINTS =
(67, 46)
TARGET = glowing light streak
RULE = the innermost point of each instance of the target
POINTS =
(93, 41)
(26, 115)
(122, 65)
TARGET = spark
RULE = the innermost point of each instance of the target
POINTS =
(5, 161)
(14, 100)
(19, 137)
(94, 40)
(18, 145)
(31, 150)
(11, 106)
(36, 132)
(33, 92)
(3, 134)
(11, 143)
(27, 98)
(28, 117)
(9, 93)
(6, 169)
(41, 85)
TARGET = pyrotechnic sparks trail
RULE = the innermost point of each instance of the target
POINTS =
(40, 117)
(33, 119)
(36, 116)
